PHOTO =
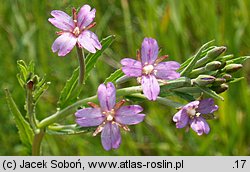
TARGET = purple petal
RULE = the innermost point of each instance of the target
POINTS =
(89, 41)
(128, 115)
(111, 95)
(85, 16)
(200, 125)
(149, 51)
(89, 117)
(64, 44)
(150, 86)
(111, 137)
(62, 20)
(107, 96)
(181, 118)
(207, 106)
(166, 70)
(131, 67)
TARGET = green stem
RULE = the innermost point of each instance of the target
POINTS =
(71, 109)
(37, 143)
(61, 114)
(81, 60)
(161, 100)
(30, 106)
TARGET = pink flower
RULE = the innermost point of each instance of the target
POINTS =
(75, 30)
(193, 114)
(109, 116)
(148, 68)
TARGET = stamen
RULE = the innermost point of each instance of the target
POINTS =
(119, 104)
(74, 16)
(160, 59)
(93, 105)
(138, 55)
(90, 26)
(125, 128)
(59, 32)
(99, 129)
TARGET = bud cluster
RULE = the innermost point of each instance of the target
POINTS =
(215, 71)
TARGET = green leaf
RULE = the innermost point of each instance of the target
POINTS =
(114, 76)
(204, 52)
(238, 60)
(68, 129)
(185, 96)
(91, 59)
(25, 132)
(192, 63)
(236, 80)
(211, 93)
(173, 84)
(41, 87)
(69, 92)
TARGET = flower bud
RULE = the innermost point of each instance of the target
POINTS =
(211, 55)
(219, 81)
(203, 80)
(227, 76)
(214, 65)
(232, 68)
(220, 89)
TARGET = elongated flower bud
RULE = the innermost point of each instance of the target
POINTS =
(211, 55)
(232, 68)
(219, 81)
(203, 80)
(220, 89)
(227, 76)
(214, 65)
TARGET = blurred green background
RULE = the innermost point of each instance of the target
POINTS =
(179, 26)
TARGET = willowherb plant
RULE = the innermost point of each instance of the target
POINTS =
(199, 80)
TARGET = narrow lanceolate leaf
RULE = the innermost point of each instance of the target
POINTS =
(114, 76)
(68, 129)
(211, 93)
(185, 96)
(192, 63)
(204, 52)
(25, 132)
(69, 92)
(41, 87)
(236, 80)
(238, 60)
(173, 84)
(91, 59)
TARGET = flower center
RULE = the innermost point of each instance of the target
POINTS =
(76, 31)
(109, 115)
(192, 113)
(147, 69)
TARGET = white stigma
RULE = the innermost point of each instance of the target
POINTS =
(76, 31)
(191, 112)
(109, 117)
(147, 69)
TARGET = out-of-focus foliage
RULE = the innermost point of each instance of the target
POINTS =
(179, 26)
